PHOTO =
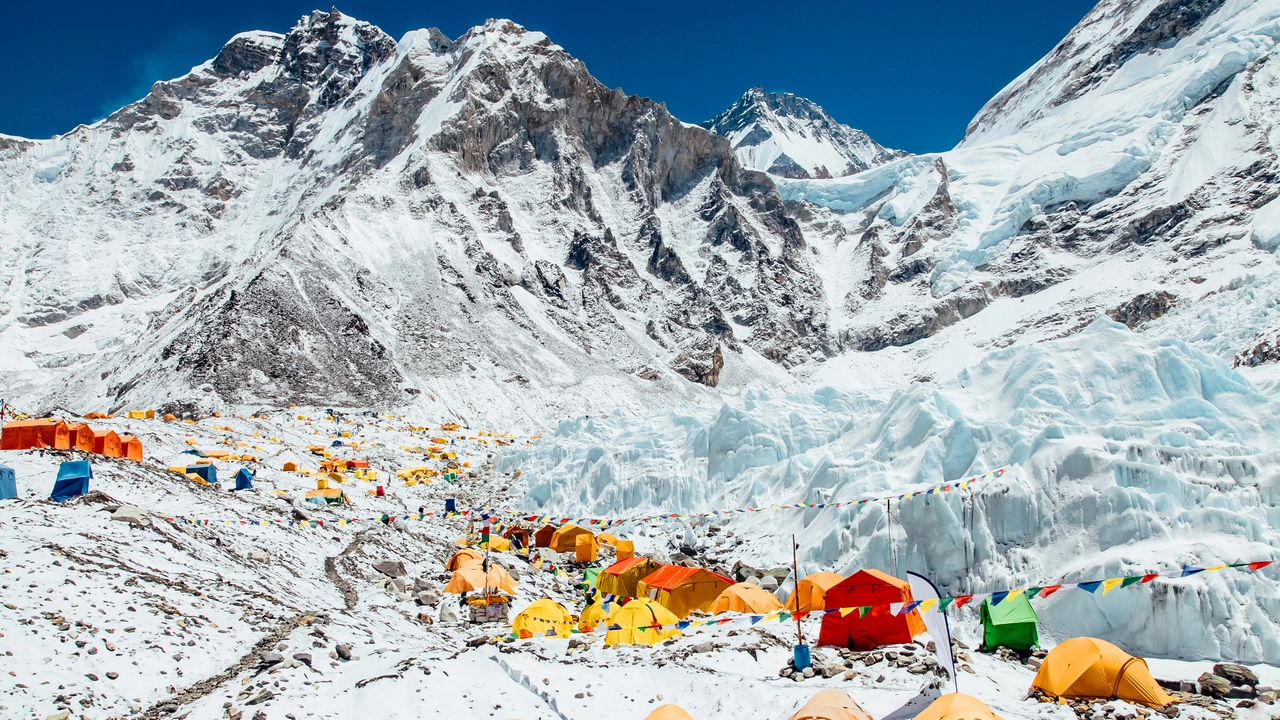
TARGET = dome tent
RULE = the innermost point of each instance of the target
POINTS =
(1091, 668)
(745, 598)
(957, 706)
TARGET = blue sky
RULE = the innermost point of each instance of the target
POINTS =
(910, 73)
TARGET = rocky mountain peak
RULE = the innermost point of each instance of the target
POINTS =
(793, 137)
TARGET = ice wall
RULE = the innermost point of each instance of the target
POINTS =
(1125, 454)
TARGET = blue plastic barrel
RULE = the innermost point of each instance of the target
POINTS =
(801, 657)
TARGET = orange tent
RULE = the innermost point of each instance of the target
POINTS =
(745, 597)
(831, 704)
(81, 437)
(879, 626)
(517, 533)
(106, 442)
(131, 447)
(566, 538)
(958, 706)
(621, 577)
(542, 538)
(625, 549)
(811, 592)
(585, 548)
(42, 433)
(1091, 668)
(473, 578)
(462, 558)
(668, 712)
(682, 589)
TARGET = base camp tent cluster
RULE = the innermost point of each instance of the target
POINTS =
(61, 435)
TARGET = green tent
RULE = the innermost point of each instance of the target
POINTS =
(590, 574)
(1012, 624)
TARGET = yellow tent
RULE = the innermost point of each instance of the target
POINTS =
(668, 712)
(566, 538)
(831, 704)
(472, 578)
(1091, 668)
(745, 598)
(497, 543)
(682, 589)
(625, 549)
(462, 558)
(811, 592)
(593, 615)
(585, 548)
(958, 706)
(636, 623)
(544, 617)
(606, 539)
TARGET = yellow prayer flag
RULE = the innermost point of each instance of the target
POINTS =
(1109, 585)
(927, 605)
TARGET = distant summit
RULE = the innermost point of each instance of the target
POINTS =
(793, 137)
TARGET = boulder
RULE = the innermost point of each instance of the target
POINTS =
(1235, 674)
(421, 584)
(447, 613)
(400, 584)
(1214, 685)
(260, 698)
(344, 651)
(261, 556)
(270, 658)
(390, 568)
(303, 657)
(705, 647)
(132, 515)
(769, 583)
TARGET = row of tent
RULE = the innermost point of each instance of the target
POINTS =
(60, 435)
(833, 704)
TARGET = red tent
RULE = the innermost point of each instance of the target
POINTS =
(880, 626)
(542, 538)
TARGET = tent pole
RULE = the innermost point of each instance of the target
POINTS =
(795, 577)
(888, 511)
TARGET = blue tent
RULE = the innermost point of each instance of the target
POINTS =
(208, 473)
(243, 479)
(73, 479)
(8, 483)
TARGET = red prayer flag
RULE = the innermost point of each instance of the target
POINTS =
(1049, 590)
(961, 600)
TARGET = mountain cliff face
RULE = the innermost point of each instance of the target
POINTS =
(331, 216)
(793, 137)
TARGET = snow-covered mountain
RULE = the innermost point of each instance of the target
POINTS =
(793, 137)
(331, 216)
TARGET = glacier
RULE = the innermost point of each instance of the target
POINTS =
(1124, 454)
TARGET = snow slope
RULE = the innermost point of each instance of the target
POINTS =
(793, 137)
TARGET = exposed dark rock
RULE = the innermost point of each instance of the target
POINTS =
(1142, 308)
